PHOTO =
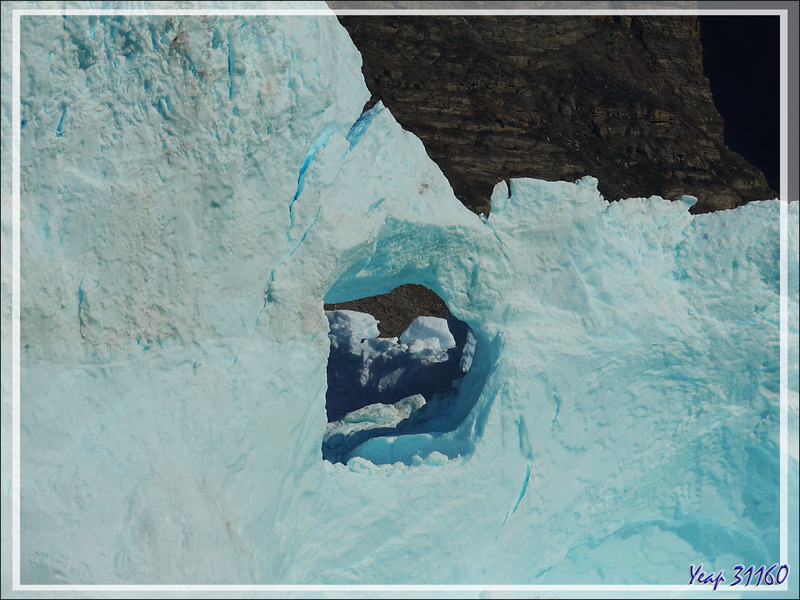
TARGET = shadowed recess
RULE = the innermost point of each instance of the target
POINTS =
(415, 384)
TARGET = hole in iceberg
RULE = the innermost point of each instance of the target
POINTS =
(403, 398)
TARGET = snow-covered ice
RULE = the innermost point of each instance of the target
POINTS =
(194, 189)
(433, 329)
(374, 416)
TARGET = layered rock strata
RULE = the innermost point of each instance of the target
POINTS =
(558, 97)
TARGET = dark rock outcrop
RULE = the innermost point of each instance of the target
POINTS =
(558, 97)
(396, 309)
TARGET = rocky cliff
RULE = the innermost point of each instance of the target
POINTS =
(558, 97)
(494, 97)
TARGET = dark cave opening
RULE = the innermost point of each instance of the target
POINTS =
(411, 383)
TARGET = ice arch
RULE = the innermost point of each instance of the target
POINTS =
(374, 213)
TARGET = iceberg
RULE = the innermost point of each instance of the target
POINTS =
(195, 189)
(434, 329)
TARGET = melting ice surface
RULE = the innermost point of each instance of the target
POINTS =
(193, 191)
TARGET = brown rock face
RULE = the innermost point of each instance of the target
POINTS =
(621, 98)
(398, 308)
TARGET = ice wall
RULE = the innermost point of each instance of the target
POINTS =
(194, 188)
